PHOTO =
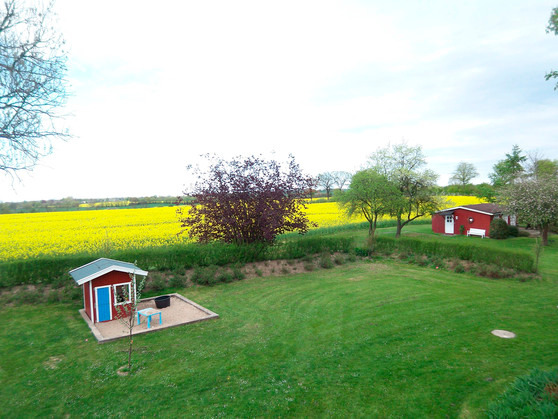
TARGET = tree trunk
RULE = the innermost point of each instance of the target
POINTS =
(399, 228)
(372, 224)
(130, 351)
(544, 235)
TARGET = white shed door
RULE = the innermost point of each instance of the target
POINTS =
(449, 224)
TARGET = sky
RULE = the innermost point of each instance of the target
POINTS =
(154, 85)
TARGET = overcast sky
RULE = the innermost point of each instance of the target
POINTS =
(156, 84)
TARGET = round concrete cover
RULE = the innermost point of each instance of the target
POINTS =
(503, 334)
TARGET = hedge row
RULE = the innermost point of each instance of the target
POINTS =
(179, 257)
(514, 259)
(174, 258)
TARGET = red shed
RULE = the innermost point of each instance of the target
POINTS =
(106, 284)
(477, 217)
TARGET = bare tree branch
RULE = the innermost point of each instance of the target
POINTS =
(33, 87)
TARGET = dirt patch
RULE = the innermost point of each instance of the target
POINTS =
(52, 362)
(460, 266)
(531, 232)
(552, 389)
(159, 280)
(273, 268)
(25, 288)
(373, 267)
(378, 267)
(122, 371)
(251, 327)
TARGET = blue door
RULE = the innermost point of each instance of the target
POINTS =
(103, 303)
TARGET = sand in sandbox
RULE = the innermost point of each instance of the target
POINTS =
(181, 311)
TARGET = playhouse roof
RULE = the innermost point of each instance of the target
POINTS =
(489, 209)
(103, 266)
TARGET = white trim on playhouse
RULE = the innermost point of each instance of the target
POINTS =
(114, 295)
(91, 301)
(110, 269)
(111, 265)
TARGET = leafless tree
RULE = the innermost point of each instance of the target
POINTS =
(127, 312)
(33, 87)
(313, 184)
(342, 178)
(537, 166)
(326, 180)
(463, 174)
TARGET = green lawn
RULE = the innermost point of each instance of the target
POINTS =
(366, 339)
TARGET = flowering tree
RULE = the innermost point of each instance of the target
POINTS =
(248, 200)
(535, 201)
(370, 194)
(404, 166)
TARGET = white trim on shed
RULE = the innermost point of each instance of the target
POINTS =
(466, 208)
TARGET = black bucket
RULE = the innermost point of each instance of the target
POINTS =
(162, 301)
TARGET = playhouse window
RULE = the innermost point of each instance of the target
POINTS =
(122, 294)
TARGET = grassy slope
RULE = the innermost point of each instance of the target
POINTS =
(367, 339)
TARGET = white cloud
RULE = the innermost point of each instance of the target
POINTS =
(157, 84)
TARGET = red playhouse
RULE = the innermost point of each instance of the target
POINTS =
(475, 219)
(106, 284)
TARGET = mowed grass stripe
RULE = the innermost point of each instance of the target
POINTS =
(365, 339)
(397, 315)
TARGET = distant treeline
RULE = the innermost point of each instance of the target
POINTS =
(75, 204)
(482, 190)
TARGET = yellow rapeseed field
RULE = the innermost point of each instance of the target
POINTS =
(328, 214)
(24, 236)
(59, 233)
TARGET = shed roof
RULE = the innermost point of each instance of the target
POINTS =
(103, 266)
(489, 209)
